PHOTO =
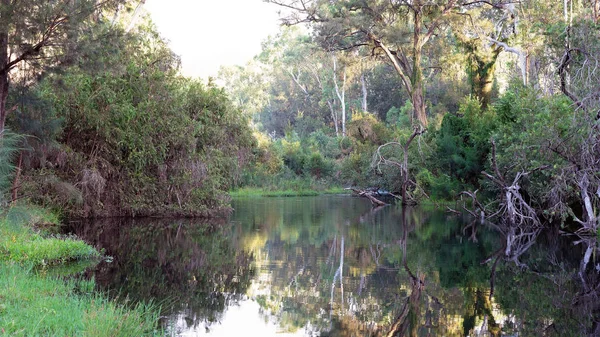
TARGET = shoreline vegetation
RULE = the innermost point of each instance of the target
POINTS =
(250, 192)
(36, 301)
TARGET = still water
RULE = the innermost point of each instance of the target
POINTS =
(335, 266)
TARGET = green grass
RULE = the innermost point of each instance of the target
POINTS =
(35, 301)
(258, 192)
(32, 305)
(37, 250)
(21, 242)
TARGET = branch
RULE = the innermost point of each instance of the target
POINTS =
(520, 53)
(300, 6)
(367, 195)
(437, 21)
(497, 6)
(394, 60)
(562, 71)
(297, 81)
(35, 49)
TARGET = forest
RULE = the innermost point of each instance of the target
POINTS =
(492, 102)
(489, 108)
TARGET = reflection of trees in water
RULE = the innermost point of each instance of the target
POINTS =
(318, 263)
(406, 274)
(187, 267)
(554, 290)
(572, 296)
(410, 272)
(552, 295)
(382, 295)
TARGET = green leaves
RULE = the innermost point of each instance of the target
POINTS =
(151, 136)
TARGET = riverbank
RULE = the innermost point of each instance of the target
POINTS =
(33, 303)
(258, 192)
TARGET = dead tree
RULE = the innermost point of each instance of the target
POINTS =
(379, 159)
(514, 218)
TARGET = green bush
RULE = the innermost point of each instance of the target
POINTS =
(366, 128)
(318, 166)
(138, 138)
(441, 187)
(294, 156)
(399, 117)
(548, 132)
(462, 144)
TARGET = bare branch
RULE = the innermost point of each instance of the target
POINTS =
(562, 71)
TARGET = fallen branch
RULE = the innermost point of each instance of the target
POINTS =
(368, 195)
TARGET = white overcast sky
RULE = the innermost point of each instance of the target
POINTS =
(210, 33)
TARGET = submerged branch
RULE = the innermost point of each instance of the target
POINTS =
(368, 195)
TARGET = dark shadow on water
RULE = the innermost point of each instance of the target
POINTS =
(186, 266)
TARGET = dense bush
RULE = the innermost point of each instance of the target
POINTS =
(462, 145)
(137, 138)
(549, 133)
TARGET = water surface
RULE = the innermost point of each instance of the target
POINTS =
(327, 266)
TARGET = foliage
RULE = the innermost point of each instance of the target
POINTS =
(138, 138)
(9, 143)
(366, 128)
(461, 149)
(399, 117)
(546, 132)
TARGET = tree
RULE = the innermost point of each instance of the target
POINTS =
(474, 33)
(247, 86)
(398, 29)
(36, 34)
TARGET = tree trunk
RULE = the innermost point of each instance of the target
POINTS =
(343, 101)
(418, 102)
(340, 94)
(363, 84)
(482, 76)
(3, 78)
(417, 98)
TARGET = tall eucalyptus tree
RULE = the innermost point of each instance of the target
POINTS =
(399, 30)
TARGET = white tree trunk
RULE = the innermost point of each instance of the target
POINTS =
(341, 94)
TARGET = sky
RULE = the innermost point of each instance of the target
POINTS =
(210, 33)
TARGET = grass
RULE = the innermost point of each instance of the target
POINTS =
(258, 192)
(33, 302)
(32, 305)
(20, 242)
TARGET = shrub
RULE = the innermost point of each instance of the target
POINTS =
(365, 127)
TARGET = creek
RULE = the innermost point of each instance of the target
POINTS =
(335, 266)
